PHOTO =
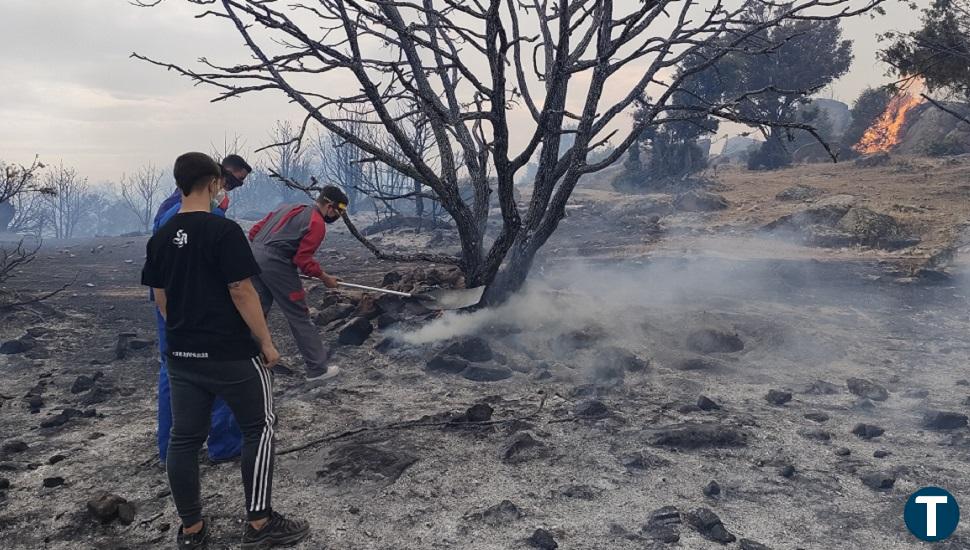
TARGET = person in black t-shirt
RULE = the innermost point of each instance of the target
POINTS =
(200, 266)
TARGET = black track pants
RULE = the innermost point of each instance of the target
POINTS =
(247, 388)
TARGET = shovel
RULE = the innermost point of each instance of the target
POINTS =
(440, 298)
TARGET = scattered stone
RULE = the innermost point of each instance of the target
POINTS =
(385, 320)
(121, 345)
(515, 448)
(697, 364)
(873, 161)
(471, 348)
(916, 394)
(842, 451)
(355, 462)
(55, 459)
(943, 420)
(332, 313)
(778, 397)
(687, 409)
(863, 404)
(55, 421)
(691, 436)
(881, 454)
(485, 373)
(82, 384)
(705, 403)
(139, 344)
(821, 387)
(870, 228)
(709, 525)
(662, 525)
(36, 403)
(867, 389)
(748, 544)
(592, 408)
(712, 489)
(817, 417)
(787, 471)
(126, 513)
(799, 193)
(14, 446)
(480, 412)
(879, 481)
(99, 394)
(104, 507)
(644, 461)
(714, 341)
(4, 484)
(446, 363)
(50, 482)
(13, 347)
(502, 513)
(543, 540)
(867, 431)
(355, 332)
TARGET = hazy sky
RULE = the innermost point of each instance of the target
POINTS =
(70, 92)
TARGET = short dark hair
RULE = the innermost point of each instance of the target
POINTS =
(193, 170)
(236, 161)
(334, 194)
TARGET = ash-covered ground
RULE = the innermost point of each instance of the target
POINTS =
(720, 390)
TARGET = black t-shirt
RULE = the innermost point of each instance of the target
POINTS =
(194, 257)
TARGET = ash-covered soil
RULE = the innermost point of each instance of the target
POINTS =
(815, 395)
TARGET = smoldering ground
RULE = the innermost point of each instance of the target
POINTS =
(618, 354)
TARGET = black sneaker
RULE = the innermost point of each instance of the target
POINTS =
(278, 531)
(195, 541)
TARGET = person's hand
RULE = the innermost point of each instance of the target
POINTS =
(329, 281)
(269, 355)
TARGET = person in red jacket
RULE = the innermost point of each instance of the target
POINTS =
(284, 242)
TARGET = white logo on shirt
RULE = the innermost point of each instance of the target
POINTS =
(181, 238)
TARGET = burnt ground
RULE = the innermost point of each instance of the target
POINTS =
(594, 424)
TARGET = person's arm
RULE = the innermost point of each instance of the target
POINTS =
(304, 259)
(259, 226)
(161, 302)
(246, 300)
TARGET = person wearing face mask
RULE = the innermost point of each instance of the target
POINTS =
(225, 438)
(284, 243)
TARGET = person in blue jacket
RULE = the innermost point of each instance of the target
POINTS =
(225, 438)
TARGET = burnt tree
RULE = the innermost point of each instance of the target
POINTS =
(498, 83)
(140, 192)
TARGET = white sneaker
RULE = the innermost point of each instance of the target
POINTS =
(331, 372)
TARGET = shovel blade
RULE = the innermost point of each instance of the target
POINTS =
(452, 298)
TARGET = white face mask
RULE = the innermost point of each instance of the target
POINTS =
(217, 199)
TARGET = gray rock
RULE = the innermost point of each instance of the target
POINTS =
(691, 436)
(706, 522)
(712, 489)
(944, 420)
(502, 513)
(82, 384)
(821, 387)
(104, 507)
(611, 358)
(4, 484)
(591, 408)
(867, 389)
(51, 482)
(879, 481)
(799, 193)
(471, 348)
(705, 403)
(778, 397)
(126, 513)
(485, 373)
(644, 461)
(543, 540)
(445, 363)
(843, 451)
(916, 394)
(579, 492)
(14, 446)
(714, 341)
(13, 347)
(748, 544)
(518, 447)
(867, 431)
(662, 525)
(881, 454)
(354, 462)
(787, 471)
(479, 412)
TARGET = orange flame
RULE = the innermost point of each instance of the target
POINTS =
(884, 134)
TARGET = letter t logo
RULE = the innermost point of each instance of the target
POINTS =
(931, 502)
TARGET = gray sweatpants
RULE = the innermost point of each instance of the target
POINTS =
(279, 282)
